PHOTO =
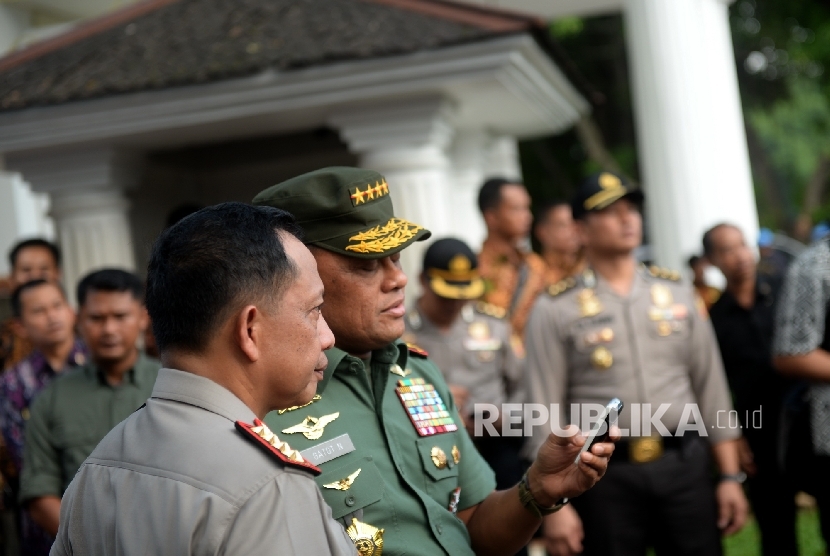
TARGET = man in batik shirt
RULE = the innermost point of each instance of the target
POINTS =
(44, 318)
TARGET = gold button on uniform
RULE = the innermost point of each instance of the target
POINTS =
(602, 358)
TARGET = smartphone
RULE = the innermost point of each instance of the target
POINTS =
(602, 428)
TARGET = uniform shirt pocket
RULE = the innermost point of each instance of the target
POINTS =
(346, 492)
(440, 456)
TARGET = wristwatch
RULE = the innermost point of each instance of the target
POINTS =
(527, 500)
(738, 477)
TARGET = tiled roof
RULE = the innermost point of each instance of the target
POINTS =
(167, 43)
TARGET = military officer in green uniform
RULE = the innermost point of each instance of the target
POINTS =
(622, 330)
(472, 344)
(398, 468)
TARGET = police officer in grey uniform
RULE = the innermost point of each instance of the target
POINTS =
(471, 343)
(622, 330)
(235, 301)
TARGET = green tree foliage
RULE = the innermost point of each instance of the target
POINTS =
(782, 51)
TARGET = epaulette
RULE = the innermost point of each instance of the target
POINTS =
(562, 286)
(490, 310)
(263, 436)
(664, 273)
(417, 350)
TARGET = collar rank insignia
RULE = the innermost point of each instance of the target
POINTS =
(312, 427)
(317, 397)
(343, 484)
(417, 350)
(368, 540)
(263, 436)
(425, 408)
(396, 369)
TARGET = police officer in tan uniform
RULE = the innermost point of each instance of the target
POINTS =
(622, 330)
(470, 342)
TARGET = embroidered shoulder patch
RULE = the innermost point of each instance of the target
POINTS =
(263, 436)
(417, 350)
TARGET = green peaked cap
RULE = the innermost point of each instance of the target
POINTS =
(344, 210)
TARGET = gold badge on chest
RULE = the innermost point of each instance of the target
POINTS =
(602, 358)
(589, 303)
(368, 540)
(661, 296)
(312, 427)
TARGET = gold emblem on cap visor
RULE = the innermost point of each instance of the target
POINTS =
(612, 189)
(439, 458)
(609, 181)
(368, 540)
(601, 358)
(380, 239)
(312, 427)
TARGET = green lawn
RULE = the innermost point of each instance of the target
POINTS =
(748, 541)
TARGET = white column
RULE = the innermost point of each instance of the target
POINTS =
(407, 143)
(476, 156)
(23, 214)
(693, 153)
(89, 207)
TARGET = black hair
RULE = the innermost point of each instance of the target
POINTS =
(35, 242)
(543, 212)
(17, 294)
(489, 196)
(693, 260)
(180, 212)
(708, 245)
(110, 280)
(212, 262)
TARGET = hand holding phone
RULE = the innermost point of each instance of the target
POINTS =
(608, 417)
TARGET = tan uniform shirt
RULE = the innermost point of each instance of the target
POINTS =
(177, 477)
(476, 352)
(587, 344)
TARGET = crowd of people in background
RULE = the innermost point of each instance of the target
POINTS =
(581, 320)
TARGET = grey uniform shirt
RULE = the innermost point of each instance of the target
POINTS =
(178, 478)
(587, 344)
(477, 352)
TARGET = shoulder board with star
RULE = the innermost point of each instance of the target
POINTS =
(265, 438)
(562, 286)
(664, 273)
(490, 310)
(417, 350)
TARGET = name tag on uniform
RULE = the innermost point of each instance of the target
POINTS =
(329, 450)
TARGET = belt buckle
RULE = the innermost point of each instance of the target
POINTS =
(645, 449)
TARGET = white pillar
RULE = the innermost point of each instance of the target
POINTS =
(89, 207)
(407, 143)
(693, 153)
(476, 156)
(23, 214)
